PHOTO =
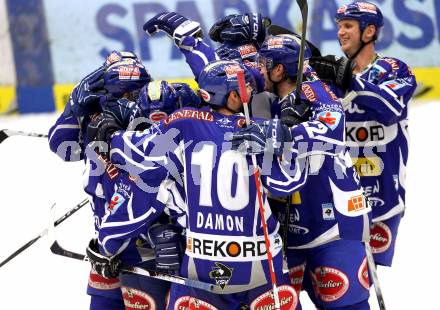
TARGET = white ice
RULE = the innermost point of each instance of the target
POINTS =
(32, 178)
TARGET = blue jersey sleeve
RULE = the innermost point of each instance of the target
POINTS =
(197, 54)
(384, 89)
(65, 138)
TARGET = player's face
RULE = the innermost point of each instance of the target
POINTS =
(349, 35)
(265, 67)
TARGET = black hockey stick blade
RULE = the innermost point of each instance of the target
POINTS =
(6, 133)
(56, 248)
(44, 232)
(275, 30)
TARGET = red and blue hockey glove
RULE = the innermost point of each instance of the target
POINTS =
(331, 68)
(108, 267)
(166, 241)
(174, 25)
(260, 137)
(246, 28)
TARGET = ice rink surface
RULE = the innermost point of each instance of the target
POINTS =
(32, 178)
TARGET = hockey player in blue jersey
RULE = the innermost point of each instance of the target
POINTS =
(121, 73)
(224, 239)
(67, 138)
(326, 229)
(156, 100)
(377, 118)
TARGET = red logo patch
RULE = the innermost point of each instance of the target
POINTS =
(157, 116)
(380, 237)
(135, 299)
(129, 73)
(194, 114)
(328, 118)
(101, 283)
(192, 303)
(296, 276)
(287, 295)
(330, 284)
(241, 122)
(363, 274)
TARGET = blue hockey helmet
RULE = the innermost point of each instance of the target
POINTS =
(157, 100)
(240, 52)
(283, 49)
(365, 13)
(125, 76)
(219, 78)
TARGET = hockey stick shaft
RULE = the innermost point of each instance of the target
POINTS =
(6, 133)
(245, 99)
(375, 278)
(57, 249)
(44, 232)
(299, 79)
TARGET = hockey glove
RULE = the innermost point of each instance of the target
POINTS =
(292, 113)
(174, 25)
(246, 28)
(84, 99)
(331, 68)
(262, 137)
(100, 129)
(108, 267)
(123, 111)
(166, 241)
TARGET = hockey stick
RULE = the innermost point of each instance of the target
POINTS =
(375, 278)
(56, 248)
(245, 100)
(6, 133)
(299, 75)
(44, 232)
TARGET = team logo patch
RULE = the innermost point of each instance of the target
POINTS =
(381, 237)
(101, 283)
(331, 119)
(287, 295)
(363, 275)
(136, 300)
(330, 283)
(221, 274)
(115, 203)
(275, 42)
(192, 303)
(296, 276)
(157, 116)
(328, 213)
